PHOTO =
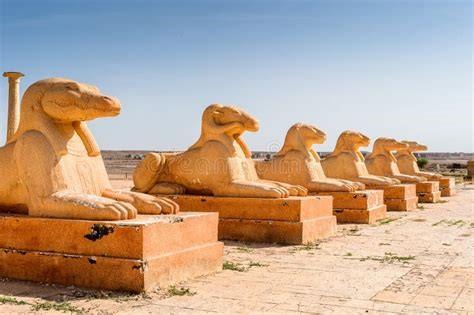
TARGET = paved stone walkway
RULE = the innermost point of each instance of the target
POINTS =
(417, 262)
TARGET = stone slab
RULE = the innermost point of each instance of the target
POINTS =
(427, 187)
(432, 197)
(130, 255)
(362, 199)
(408, 204)
(401, 197)
(447, 186)
(110, 273)
(280, 232)
(293, 209)
(400, 191)
(447, 192)
(447, 182)
(294, 220)
(367, 216)
(145, 236)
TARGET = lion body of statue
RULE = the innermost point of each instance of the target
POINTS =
(382, 161)
(218, 164)
(297, 163)
(346, 161)
(52, 166)
(407, 161)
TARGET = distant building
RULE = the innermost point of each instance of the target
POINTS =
(470, 168)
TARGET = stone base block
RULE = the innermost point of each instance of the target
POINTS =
(408, 204)
(432, 197)
(366, 216)
(129, 255)
(447, 182)
(401, 191)
(447, 192)
(447, 186)
(400, 197)
(280, 232)
(428, 192)
(427, 187)
(364, 206)
(294, 220)
(362, 199)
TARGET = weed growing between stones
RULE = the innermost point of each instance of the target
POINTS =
(65, 307)
(256, 264)
(12, 300)
(229, 265)
(306, 247)
(61, 306)
(244, 249)
(389, 258)
(387, 220)
(175, 291)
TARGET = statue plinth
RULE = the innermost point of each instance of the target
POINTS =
(291, 221)
(401, 197)
(364, 206)
(428, 192)
(447, 186)
(131, 255)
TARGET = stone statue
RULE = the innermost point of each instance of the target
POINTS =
(346, 161)
(52, 167)
(406, 161)
(382, 162)
(297, 163)
(218, 164)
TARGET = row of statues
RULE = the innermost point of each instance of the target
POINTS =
(222, 165)
(51, 165)
(218, 164)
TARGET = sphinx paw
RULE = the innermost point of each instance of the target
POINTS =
(285, 193)
(167, 189)
(116, 210)
(298, 190)
(276, 192)
(147, 204)
(168, 206)
(345, 187)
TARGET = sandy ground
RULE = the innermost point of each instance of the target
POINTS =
(417, 262)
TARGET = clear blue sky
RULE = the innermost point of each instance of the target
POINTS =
(387, 68)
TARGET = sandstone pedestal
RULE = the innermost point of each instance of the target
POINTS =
(365, 206)
(428, 192)
(293, 220)
(447, 186)
(400, 197)
(130, 255)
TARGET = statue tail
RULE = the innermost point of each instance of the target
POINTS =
(148, 171)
